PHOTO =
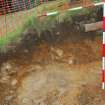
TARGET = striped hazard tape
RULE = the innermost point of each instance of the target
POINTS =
(70, 9)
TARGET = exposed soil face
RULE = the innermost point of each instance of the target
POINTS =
(62, 68)
(66, 73)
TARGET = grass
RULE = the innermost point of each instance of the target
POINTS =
(30, 20)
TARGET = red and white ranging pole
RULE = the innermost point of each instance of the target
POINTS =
(103, 48)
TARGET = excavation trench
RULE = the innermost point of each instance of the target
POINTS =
(60, 68)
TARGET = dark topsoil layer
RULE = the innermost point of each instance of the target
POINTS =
(63, 31)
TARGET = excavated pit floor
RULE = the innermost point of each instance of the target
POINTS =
(60, 84)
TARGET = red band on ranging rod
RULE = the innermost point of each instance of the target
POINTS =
(103, 23)
(103, 50)
(103, 75)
